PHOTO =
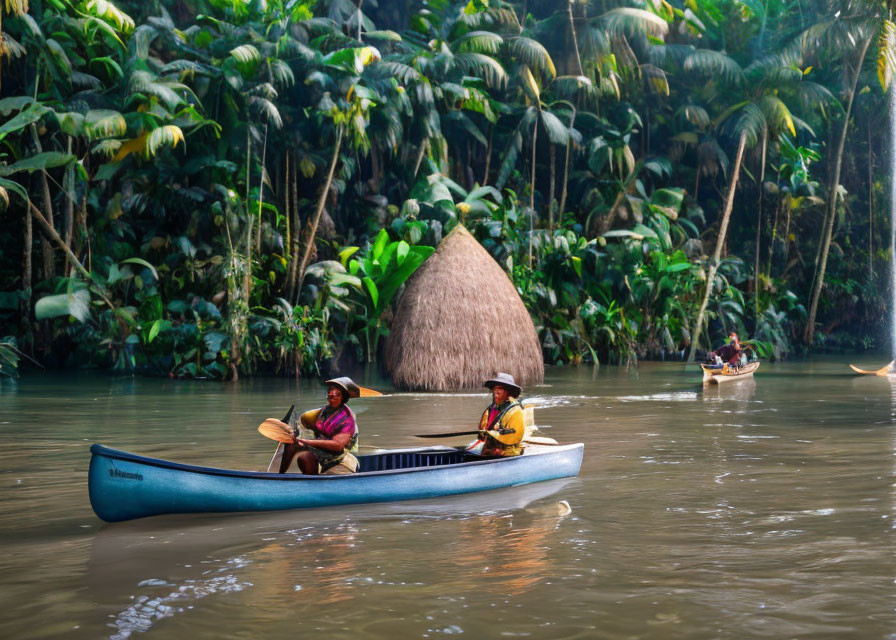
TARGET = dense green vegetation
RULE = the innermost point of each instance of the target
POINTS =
(213, 188)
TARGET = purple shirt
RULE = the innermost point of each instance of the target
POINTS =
(332, 422)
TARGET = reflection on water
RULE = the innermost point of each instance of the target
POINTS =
(759, 508)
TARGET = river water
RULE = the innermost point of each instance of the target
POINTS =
(763, 510)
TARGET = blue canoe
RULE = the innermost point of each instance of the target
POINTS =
(124, 486)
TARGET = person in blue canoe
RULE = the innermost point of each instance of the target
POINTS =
(502, 425)
(335, 434)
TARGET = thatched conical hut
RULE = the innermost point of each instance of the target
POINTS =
(460, 321)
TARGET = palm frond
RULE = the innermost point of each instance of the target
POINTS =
(709, 62)
(394, 69)
(669, 54)
(164, 136)
(246, 54)
(533, 54)
(57, 51)
(478, 42)
(776, 113)
(886, 53)
(696, 115)
(557, 131)
(812, 94)
(656, 79)
(108, 148)
(10, 47)
(750, 121)
(282, 73)
(483, 66)
(81, 79)
(569, 86)
(104, 123)
(110, 13)
(267, 109)
(146, 83)
(627, 21)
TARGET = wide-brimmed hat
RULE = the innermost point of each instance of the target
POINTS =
(505, 380)
(348, 387)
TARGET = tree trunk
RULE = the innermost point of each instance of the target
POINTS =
(69, 221)
(294, 247)
(553, 181)
(311, 230)
(771, 243)
(720, 242)
(49, 267)
(488, 155)
(264, 151)
(27, 270)
(756, 274)
(421, 152)
(51, 232)
(575, 41)
(831, 209)
(532, 190)
(572, 121)
(870, 205)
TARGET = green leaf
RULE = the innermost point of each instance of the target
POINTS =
(142, 262)
(38, 162)
(382, 238)
(16, 103)
(75, 304)
(347, 253)
(155, 329)
(402, 252)
(372, 291)
(30, 115)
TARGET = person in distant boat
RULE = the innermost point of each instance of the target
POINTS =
(502, 426)
(335, 434)
(729, 353)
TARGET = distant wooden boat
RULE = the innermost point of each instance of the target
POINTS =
(718, 375)
(124, 486)
(884, 371)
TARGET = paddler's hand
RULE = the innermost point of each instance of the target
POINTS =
(300, 442)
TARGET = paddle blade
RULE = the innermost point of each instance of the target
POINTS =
(369, 393)
(276, 430)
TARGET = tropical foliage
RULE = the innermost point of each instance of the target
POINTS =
(220, 188)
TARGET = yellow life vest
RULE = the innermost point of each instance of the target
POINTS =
(507, 431)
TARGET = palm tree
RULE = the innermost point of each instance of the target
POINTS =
(761, 109)
(850, 33)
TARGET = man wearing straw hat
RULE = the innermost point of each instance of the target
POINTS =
(335, 434)
(502, 426)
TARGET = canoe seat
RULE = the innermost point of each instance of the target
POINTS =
(400, 460)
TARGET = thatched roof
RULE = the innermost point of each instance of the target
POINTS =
(460, 321)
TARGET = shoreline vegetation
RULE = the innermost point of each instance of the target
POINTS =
(213, 189)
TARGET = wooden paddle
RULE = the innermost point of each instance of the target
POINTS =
(369, 393)
(276, 430)
(879, 372)
(446, 435)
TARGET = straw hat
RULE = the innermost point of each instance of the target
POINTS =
(505, 380)
(347, 386)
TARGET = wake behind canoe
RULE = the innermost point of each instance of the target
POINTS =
(124, 485)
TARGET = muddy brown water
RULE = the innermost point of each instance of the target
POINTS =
(760, 510)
